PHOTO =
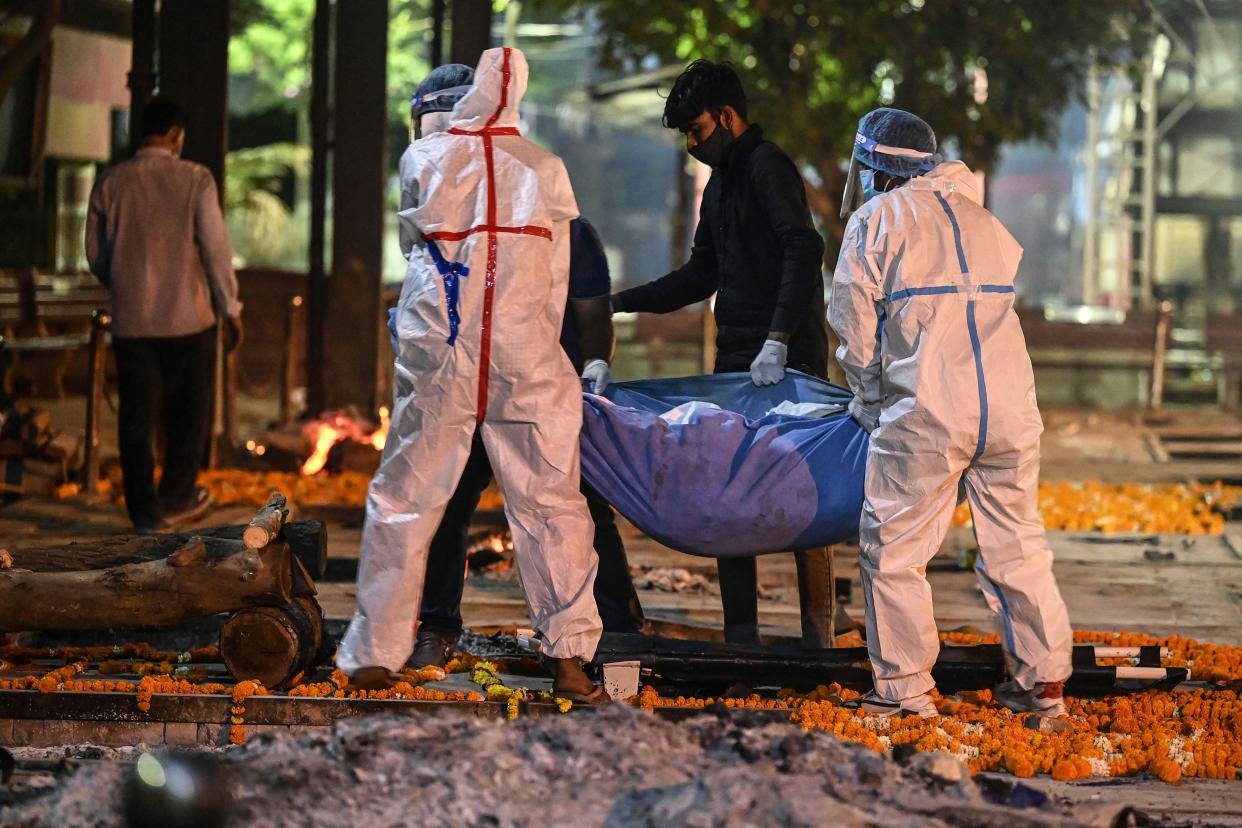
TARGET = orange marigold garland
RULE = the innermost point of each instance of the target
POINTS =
(1093, 506)
(1167, 734)
(237, 718)
(1170, 735)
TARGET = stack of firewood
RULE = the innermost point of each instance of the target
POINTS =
(36, 459)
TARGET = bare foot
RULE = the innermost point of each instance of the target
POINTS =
(570, 682)
(371, 678)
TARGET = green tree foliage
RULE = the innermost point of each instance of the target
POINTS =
(259, 220)
(272, 41)
(812, 68)
(271, 46)
(270, 54)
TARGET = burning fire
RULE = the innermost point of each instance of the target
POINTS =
(379, 437)
(325, 439)
(333, 429)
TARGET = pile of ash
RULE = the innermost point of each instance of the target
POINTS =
(614, 766)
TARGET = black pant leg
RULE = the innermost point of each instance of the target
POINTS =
(188, 364)
(619, 607)
(446, 560)
(739, 588)
(739, 581)
(139, 386)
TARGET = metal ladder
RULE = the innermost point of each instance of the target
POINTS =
(1120, 161)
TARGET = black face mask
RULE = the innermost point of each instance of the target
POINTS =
(711, 151)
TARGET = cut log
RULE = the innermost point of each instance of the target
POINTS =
(310, 610)
(266, 525)
(228, 576)
(272, 645)
(308, 540)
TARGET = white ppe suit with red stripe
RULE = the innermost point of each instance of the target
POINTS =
(922, 300)
(479, 325)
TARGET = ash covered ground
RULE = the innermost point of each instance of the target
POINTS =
(615, 766)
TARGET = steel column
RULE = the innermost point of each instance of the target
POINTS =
(351, 331)
(142, 65)
(472, 30)
(194, 72)
(321, 148)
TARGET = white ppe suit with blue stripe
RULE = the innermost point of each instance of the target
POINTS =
(922, 300)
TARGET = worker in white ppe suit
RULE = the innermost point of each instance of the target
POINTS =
(478, 325)
(922, 300)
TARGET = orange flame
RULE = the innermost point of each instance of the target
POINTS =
(325, 439)
(379, 437)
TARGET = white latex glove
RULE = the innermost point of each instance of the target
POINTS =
(769, 367)
(597, 374)
(392, 330)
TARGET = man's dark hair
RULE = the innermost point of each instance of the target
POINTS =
(704, 86)
(161, 115)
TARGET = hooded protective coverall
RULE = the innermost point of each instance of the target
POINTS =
(478, 324)
(922, 300)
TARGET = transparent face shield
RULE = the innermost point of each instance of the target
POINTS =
(425, 123)
(899, 162)
(850, 199)
(433, 122)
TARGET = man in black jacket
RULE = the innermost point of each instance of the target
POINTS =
(757, 250)
(755, 246)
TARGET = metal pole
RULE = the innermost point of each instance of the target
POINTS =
(471, 34)
(142, 65)
(437, 33)
(288, 361)
(1147, 216)
(359, 181)
(321, 146)
(194, 71)
(1090, 242)
(100, 322)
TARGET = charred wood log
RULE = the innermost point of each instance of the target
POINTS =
(273, 645)
(307, 539)
(203, 577)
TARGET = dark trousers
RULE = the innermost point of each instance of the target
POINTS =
(739, 578)
(169, 381)
(618, 604)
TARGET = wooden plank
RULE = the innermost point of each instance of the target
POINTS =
(1201, 448)
(1137, 333)
(261, 711)
(1094, 360)
(1224, 333)
(1209, 431)
(46, 343)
